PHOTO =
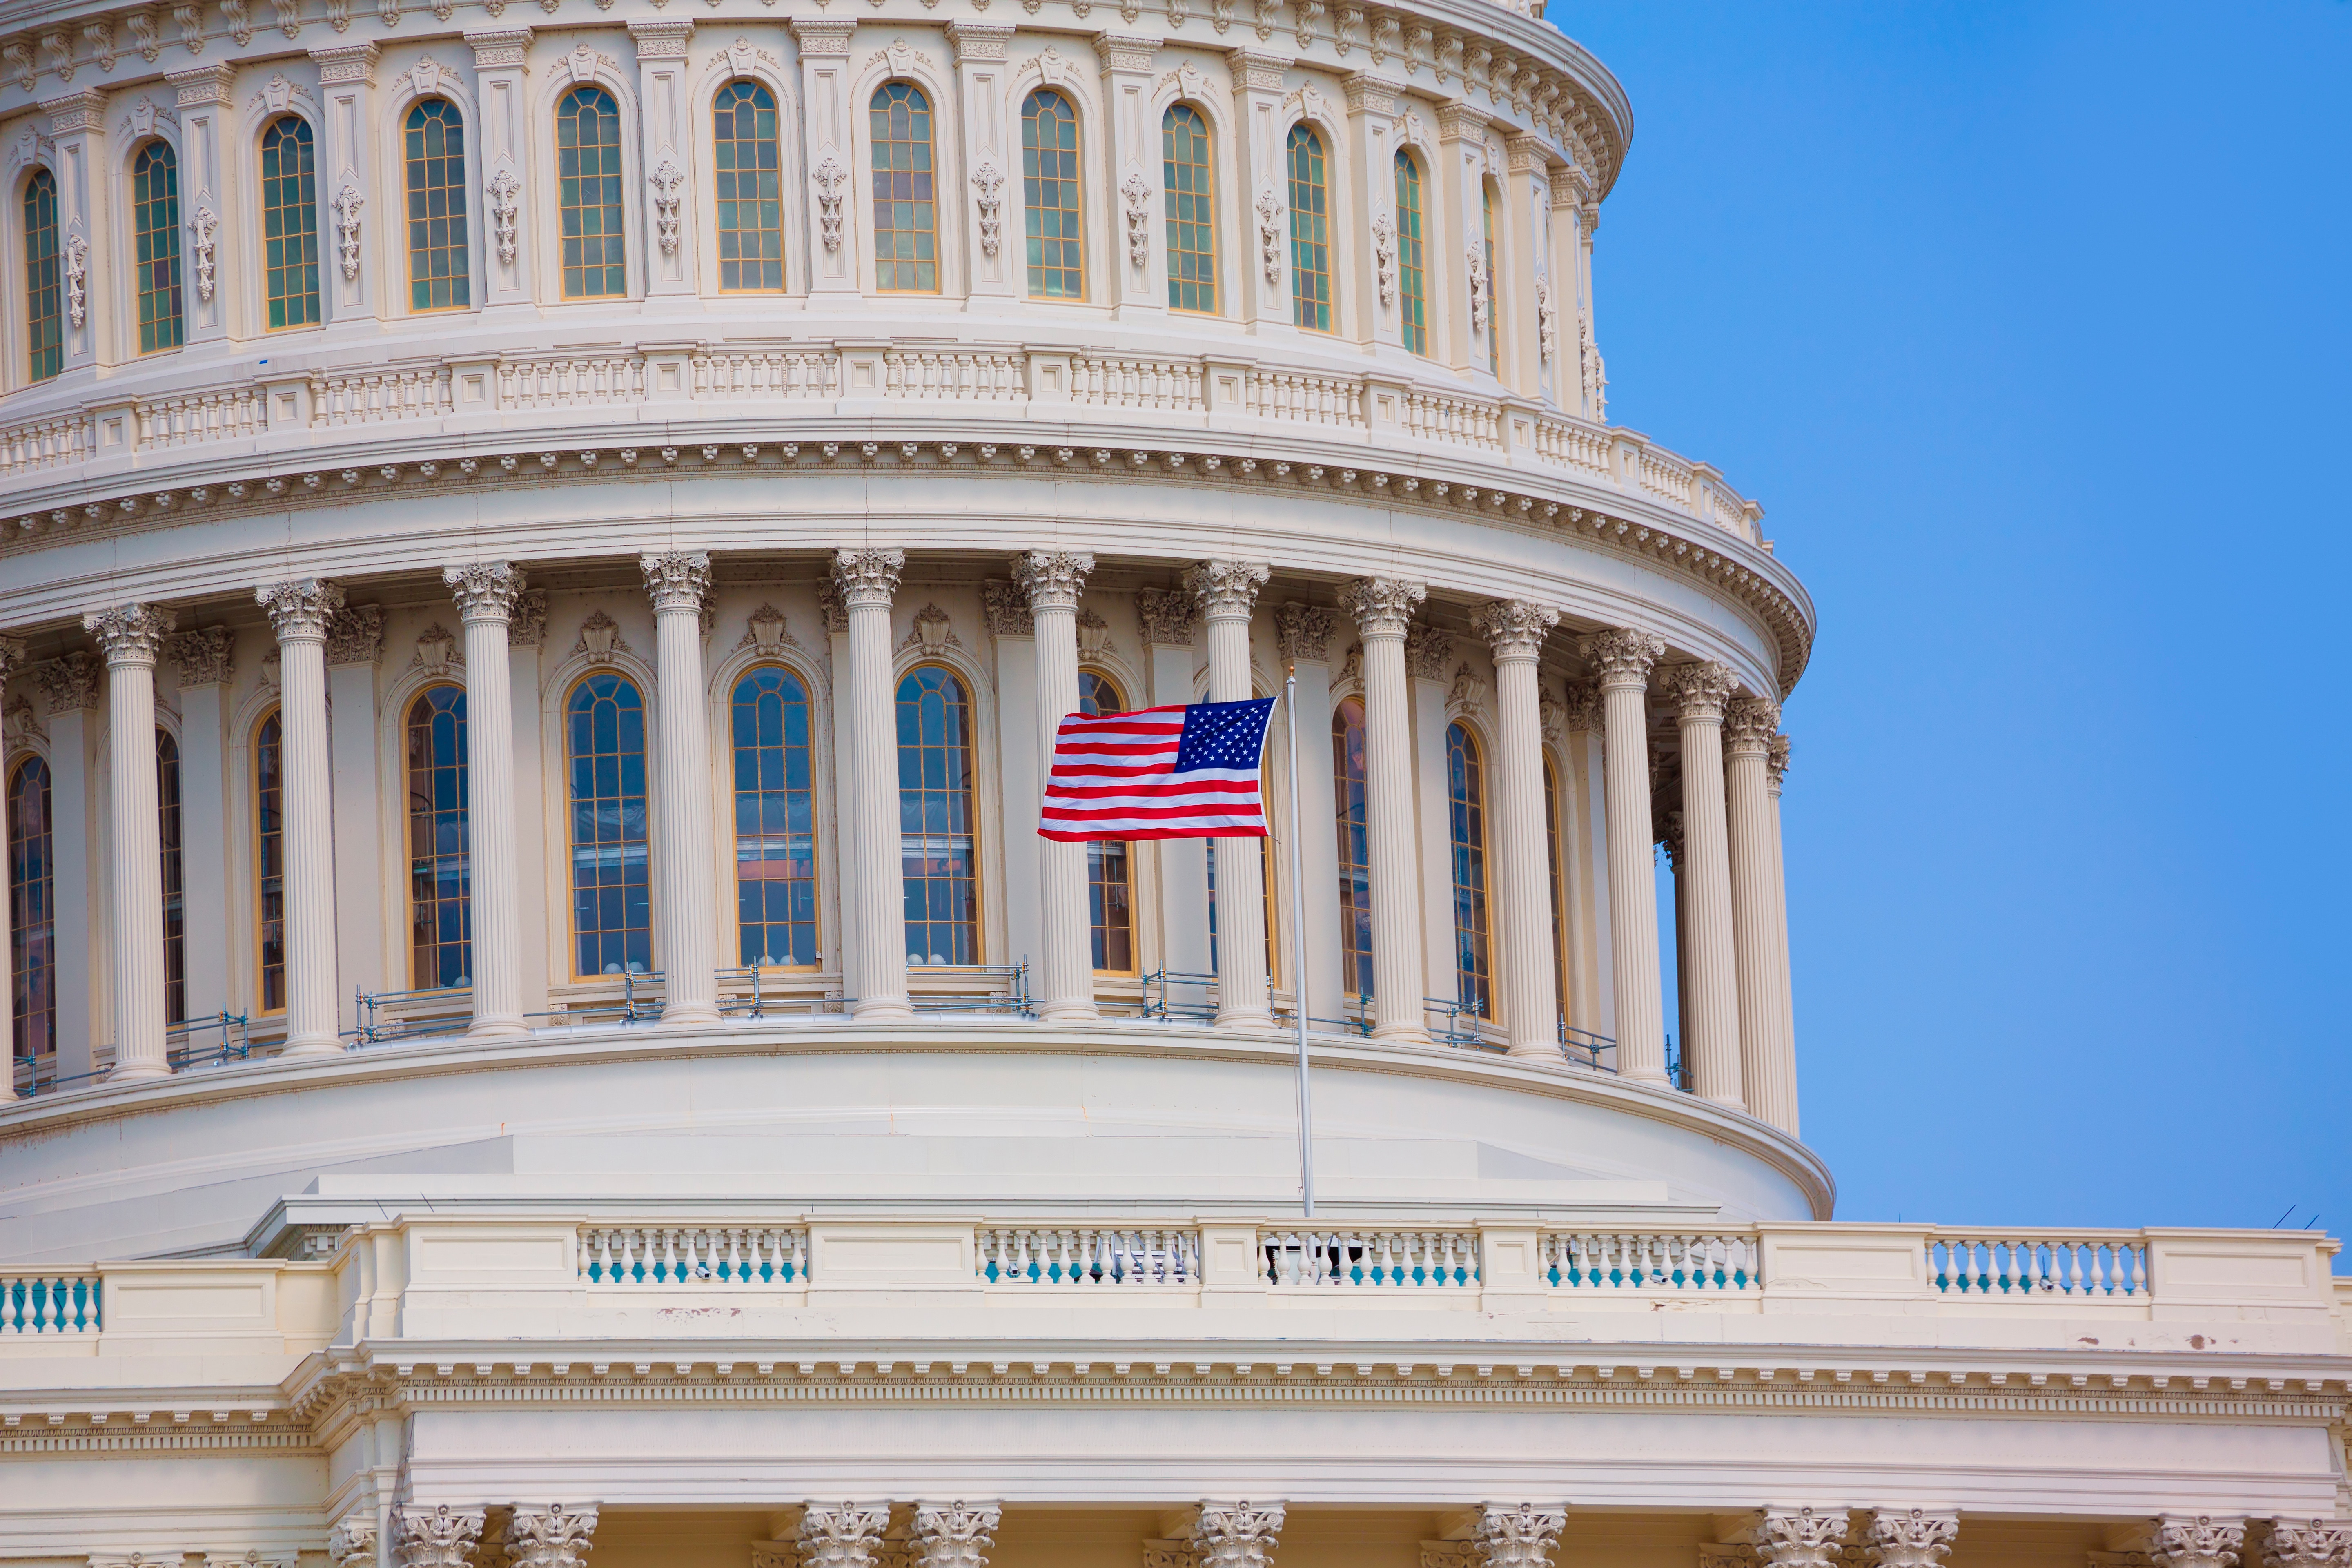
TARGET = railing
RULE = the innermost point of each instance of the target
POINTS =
(976, 988)
(1159, 1002)
(1369, 1259)
(373, 1029)
(764, 1000)
(50, 1304)
(236, 1043)
(1088, 1256)
(1650, 1261)
(376, 395)
(2037, 1265)
(694, 1255)
(1582, 1047)
(1460, 1028)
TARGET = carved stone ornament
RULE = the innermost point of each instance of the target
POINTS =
(764, 631)
(1094, 637)
(17, 719)
(1164, 1553)
(438, 1537)
(667, 180)
(867, 578)
(1547, 320)
(299, 609)
(1801, 1538)
(1521, 1537)
(835, 609)
(600, 639)
(1269, 232)
(1382, 607)
(933, 633)
(841, 1535)
(830, 176)
(351, 1543)
(1384, 256)
(130, 634)
(1699, 691)
(1227, 589)
(1514, 629)
(1053, 578)
(676, 579)
(1427, 652)
(1005, 607)
(76, 279)
(582, 63)
(527, 626)
(1908, 1538)
(1477, 276)
(988, 183)
(1748, 723)
(1776, 760)
(203, 658)
(347, 203)
(277, 94)
(2198, 1541)
(1167, 617)
(1585, 709)
(1138, 195)
(485, 590)
(438, 652)
(425, 77)
(953, 1534)
(356, 635)
(1236, 1534)
(1551, 715)
(556, 1536)
(1448, 1554)
(1622, 657)
(1304, 633)
(2307, 1544)
(504, 191)
(202, 224)
(69, 684)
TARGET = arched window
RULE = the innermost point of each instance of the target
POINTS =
(1049, 188)
(1466, 793)
(775, 822)
(175, 879)
(155, 239)
(1110, 914)
(939, 861)
(440, 882)
(1552, 838)
(1355, 848)
(612, 901)
(905, 223)
(588, 190)
(44, 337)
(1413, 262)
(32, 914)
(1494, 282)
(433, 153)
(1189, 187)
(1310, 231)
(270, 861)
(289, 222)
(747, 158)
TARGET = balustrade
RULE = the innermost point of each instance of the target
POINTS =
(694, 1255)
(1650, 1261)
(1369, 1259)
(1088, 1256)
(50, 1304)
(2030, 1266)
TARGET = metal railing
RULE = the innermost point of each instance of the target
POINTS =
(1011, 997)
(1582, 1047)
(1157, 1002)
(373, 1029)
(234, 1045)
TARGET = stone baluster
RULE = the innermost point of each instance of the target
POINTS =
(1238, 1534)
(869, 580)
(1621, 662)
(131, 636)
(676, 580)
(1776, 767)
(1515, 629)
(2307, 1544)
(12, 657)
(299, 612)
(1518, 1537)
(844, 1535)
(1908, 1538)
(1053, 579)
(556, 1536)
(1748, 729)
(1228, 593)
(1711, 1021)
(1382, 608)
(953, 1534)
(485, 594)
(435, 1537)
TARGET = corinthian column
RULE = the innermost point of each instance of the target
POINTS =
(1382, 606)
(1228, 595)
(675, 581)
(1515, 629)
(11, 657)
(1621, 662)
(1748, 729)
(1236, 1534)
(1711, 1027)
(1776, 766)
(953, 1534)
(557, 1536)
(485, 594)
(299, 612)
(869, 580)
(131, 635)
(1053, 579)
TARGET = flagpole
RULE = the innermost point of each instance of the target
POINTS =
(1299, 952)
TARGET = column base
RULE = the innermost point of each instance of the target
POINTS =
(1069, 1013)
(1258, 1021)
(312, 1046)
(497, 1028)
(1400, 1035)
(125, 1072)
(688, 1015)
(1534, 1053)
(1729, 1104)
(1655, 1076)
(888, 1011)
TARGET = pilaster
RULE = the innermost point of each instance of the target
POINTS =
(1371, 189)
(830, 131)
(663, 110)
(1263, 271)
(1135, 205)
(983, 196)
(202, 97)
(349, 189)
(502, 91)
(78, 129)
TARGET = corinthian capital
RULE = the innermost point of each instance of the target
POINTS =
(12, 656)
(1053, 578)
(299, 611)
(1514, 629)
(1748, 723)
(68, 683)
(2195, 1541)
(954, 1534)
(356, 634)
(1427, 652)
(1382, 605)
(556, 1536)
(1305, 632)
(1227, 589)
(867, 577)
(1908, 1538)
(204, 656)
(1622, 657)
(130, 634)
(844, 1535)
(1585, 709)
(676, 579)
(1798, 1538)
(1699, 690)
(1235, 1535)
(485, 590)
(351, 1543)
(2307, 1544)
(1168, 616)
(1521, 1537)
(438, 1537)
(1775, 758)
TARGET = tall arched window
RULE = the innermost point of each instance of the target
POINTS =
(45, 333)
(588, 190)
(32, 914)
(1049, 189)
(175, 879)
(939, 859)
(1494, 282)
(1466, 793)
(775, 821)
(289, 222)
(440, 878)
(746, 160)
(1110, 914)
(612, 901)
(155, 242)
(269, 862)
(905, 221)
(433, 153)
(1189, 181)
(1355, 848)
(1552, 838)
(1412, 261)
(1310, 230)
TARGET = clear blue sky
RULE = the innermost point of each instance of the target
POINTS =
(2029, 325)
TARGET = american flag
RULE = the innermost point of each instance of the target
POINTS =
(1158, 773)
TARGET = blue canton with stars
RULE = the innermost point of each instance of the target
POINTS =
(1224, 735)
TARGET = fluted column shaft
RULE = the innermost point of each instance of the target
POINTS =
(1228, 593)
(1382, 606)
(676, 580)
(1776, 764)
(486, 595)
(1054, 579)
(131, 635)
(1622, 661)
(1711, 1025)
(1515, 629)
(1748, 736)
(869, 580)
(11, 655)
(300, 611)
